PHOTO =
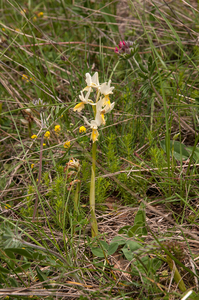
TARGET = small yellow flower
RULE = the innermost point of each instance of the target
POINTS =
(47, 134)
(57, 128)
(44, 144)
(18, 30)
(23, 11)
(3, 29)
(40, 14)
(32, 166)
(25, 77)
(34, 19)
(67, 144)
(7, 206)
(34, 136)
(82, 129)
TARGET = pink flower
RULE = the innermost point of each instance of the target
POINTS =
(120, 44)
(116, 50)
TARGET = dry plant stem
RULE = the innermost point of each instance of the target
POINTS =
(177, 277)
(94, 227)
(39, 177)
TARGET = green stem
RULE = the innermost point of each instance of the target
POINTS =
(94, 227)
(119, 60)
(177, 277)
(76, 198)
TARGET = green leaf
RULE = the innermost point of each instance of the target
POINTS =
(112, 248)
(22, 252)
(104, 245)
(143, 69)
(196, 152)
(119, 240)
(128, 254)
(9, 254)
(22, 268)
(98, 252)
(142, 75)
(13, 282)
(139, 227)
(124, 229)
(178, 149)
(4, 270)
(38, 256)
(151, 65)
(41, 276)
(150, 61)
(133, 246)
(129, 248)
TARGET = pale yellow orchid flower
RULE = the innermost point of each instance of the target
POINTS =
(84, 100)
(106, 90)
(92, 81)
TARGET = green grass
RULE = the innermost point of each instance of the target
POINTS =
(146, 188)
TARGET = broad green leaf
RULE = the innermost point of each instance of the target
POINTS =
(196, 152)
(9, 253)
(178, 150)
(119, 240)
(139, 224)
(128, 254)
(38, 256)
(129, 248)
(112, 248)
(104, 245)
(133, 246)
(4, 270)
(13, 282)
(41, 276)
(97, 252)
(22, 252)
(22, 268)
(124, 229)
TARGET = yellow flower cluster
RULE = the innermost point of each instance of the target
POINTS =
(7, 206)
(47, 134)
(57, 128)
(34, 136)
(67, 144)
(26, 78)
(40, 14)
(82, 129)
(23, 11)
